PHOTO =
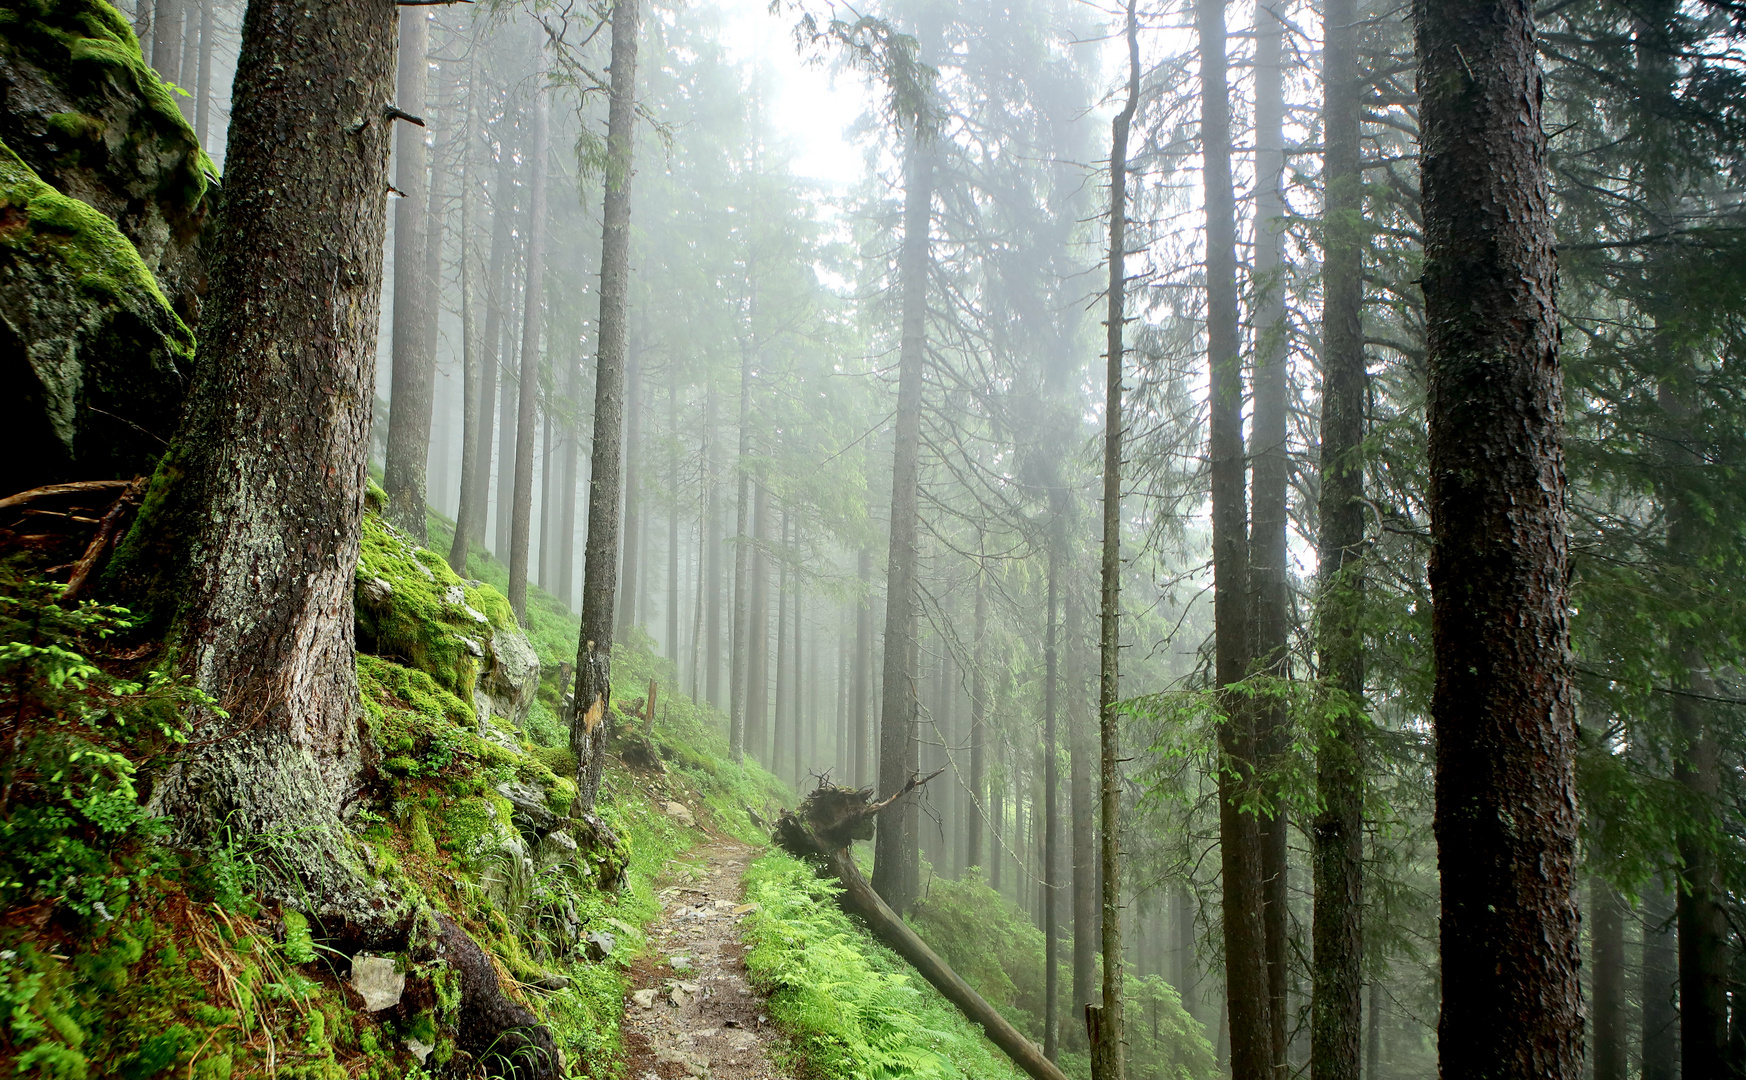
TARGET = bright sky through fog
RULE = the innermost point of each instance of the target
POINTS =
(812, 105)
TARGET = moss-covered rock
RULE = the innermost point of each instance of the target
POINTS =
(92, 359)
(82, 107)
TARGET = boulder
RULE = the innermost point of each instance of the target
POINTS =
(103, 199)
(508, 680)
(376, 981)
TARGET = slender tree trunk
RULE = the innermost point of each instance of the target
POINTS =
(543, 461)
(1109, 1030)
(1502, 704)
(672, 635)
(589, 712)
(800, 722)
(442, 103)
(532, 310)
(1269, 583)
(1606, 910)
(895, 845)
(508, 406)
(203, 108)
(497, 299)
(1338, 844)
(412, 383)
(737, 656)
(780, 721)
(1187, 976)
(1373, 1044)
(975, 826)
(630, 583)
(712, 552)
(1051, 784)
(863, 676)
(1246, 982)
(1082, 751)
(167, 38)
(1660, 966)
(467, 510)
(188, 70)
(757, 714)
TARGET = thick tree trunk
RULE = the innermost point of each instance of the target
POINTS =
(1338, 843)
(167, 37)
(256, 511)
(1502, 704)
(822, 831)
(532, 311)
(1246, 983)
(412, 382)
(1611, 1048)
(895, 845)
(594, 654)
(1108, 1045)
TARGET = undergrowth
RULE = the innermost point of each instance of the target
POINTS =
(854, 1009)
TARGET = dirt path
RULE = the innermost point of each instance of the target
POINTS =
(692, 1012)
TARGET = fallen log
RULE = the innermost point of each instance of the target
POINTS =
(831, 819)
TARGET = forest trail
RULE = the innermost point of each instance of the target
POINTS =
(692, 1012)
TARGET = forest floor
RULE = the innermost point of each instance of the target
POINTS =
(693, 1012)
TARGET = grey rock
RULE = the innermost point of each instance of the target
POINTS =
(508, 681)
(376, 981)
(645, 998)
(598, 945)
(530, 805)
(681, 813)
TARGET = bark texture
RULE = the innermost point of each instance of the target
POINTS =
(1338, 842)
(589, 707)
(1502, 707)
(532, 308)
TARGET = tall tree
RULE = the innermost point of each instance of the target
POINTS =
(532, 316)
(895, 842)
(588, 711)
(413, 376)
(469, 512)
(1109, 1028)
(1338, 843)
(1502, 704)
(1246, 985)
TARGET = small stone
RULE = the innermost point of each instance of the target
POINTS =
(376, 981)
(421, 1051)
(681, 813)
(553, 982)
(645, 998)
(677, 995)
(745, 909)
(680, 963)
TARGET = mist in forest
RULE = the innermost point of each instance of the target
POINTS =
(1366, 700)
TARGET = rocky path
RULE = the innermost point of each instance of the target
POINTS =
(692, 1013)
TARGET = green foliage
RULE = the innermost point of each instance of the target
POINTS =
(853, 1008)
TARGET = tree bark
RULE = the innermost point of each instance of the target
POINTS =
(781, 718)
(975, 825)
(497, 299)
(508, 407)
(1337, 978)
(412, 379)
(822, 832)
(737, 655)
(862, 688)
(1051, 784)
(757, 714)
(1082, 802)
(1108, 1050)
(167, 38)
(1502, 704)
(532, 312)
(672, 635)
(1660, 967)
(594, 655)
(467, 509)
(895, 845)
(203, 106)
(1246, 982)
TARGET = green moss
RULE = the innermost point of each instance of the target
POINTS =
(418, 834)
(36, 220)
(76, 125)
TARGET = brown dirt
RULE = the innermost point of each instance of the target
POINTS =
(706, 1019)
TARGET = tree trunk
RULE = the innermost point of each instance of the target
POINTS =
(167, 37)
(1373, 1042)
(497, 299)
(862, 689)
(631, 579)
(203, 110)
(672, 635)
(1606, 909)
(1186, 975)
(431, 278)
(412, 381)
(1051, 783)
(800, 681)
(822, 831)
(1660, 967)
(975, 826)
(737, 654)
(188, 69)
(1269, 581)
(781, 718)
(1246, 982)
(1108, 1049)
(594, 654)
(895, 845)
(1082, 754)
(711, 546)
(1337, 978)
(1502, 704)
(757, 714)
(467, 509)
(532, 310)
(508, 405)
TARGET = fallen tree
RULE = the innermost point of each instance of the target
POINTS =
(821, 831)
